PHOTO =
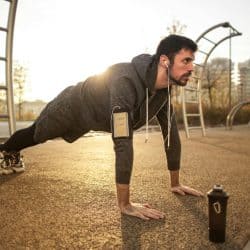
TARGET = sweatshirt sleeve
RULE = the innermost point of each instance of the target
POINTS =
(123, 97)
(173, 152)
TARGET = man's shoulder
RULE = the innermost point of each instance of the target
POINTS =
(121, 67)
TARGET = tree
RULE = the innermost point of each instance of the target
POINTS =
(176, 28)
(216, 80)
(19, 79)
(245, 64)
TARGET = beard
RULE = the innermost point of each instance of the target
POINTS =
(182, 81)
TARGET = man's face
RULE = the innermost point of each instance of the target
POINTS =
(182, 68)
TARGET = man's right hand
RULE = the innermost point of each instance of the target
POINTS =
(142, 211)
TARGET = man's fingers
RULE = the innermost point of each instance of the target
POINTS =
(182, 190)
(178, 191)
(156, 214)
(142, 216)
(159, 213)
(155, 211)
(197, 193)
(142, 211)
(136, 214)
(192, 191)
(147, 205)
(201, 194)
(152, 213)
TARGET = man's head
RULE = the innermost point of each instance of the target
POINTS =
(175, 54)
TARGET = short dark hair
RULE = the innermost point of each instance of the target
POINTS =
(172, 44)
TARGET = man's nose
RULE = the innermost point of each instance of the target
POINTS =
(191, 67)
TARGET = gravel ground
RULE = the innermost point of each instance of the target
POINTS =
(66, 199)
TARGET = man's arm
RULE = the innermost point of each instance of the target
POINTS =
(124, 161)
(173, 154)
(173, 151)
(123, 97)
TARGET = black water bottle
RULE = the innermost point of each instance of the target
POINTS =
(217, 206)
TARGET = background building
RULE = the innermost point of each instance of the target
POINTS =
(244, 87)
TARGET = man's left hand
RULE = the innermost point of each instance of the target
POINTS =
(183, 190)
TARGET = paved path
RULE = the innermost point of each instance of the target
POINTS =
(66, 199)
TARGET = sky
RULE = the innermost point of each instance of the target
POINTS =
(62, 42)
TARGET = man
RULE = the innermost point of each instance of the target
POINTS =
(120, 100)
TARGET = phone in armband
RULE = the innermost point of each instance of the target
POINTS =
(121, 124)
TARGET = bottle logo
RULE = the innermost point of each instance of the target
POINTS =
(217, 207)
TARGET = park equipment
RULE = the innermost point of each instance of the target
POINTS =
(7, 32)
(191, 94)
(232, 113)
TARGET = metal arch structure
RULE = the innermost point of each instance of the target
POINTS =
(232, 113)
(195, 89)
(7, 59)
(233, 32)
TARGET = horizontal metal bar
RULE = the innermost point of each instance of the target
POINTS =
(191, 89)
(3, 87)
(4, 116)
(193, 115)
(209, 40)
(3, 29)
(210, 29)
(3, 58)
(198, 127)
(203, 52)
(195, 102)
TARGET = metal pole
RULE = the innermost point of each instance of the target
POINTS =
(230, 70)
(9, 65)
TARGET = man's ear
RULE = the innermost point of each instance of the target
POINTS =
(164, 61)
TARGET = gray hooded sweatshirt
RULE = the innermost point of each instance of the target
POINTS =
(89, 105)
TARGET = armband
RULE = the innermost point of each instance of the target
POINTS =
(121, 123)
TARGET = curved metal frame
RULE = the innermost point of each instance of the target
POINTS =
(232, 113)
(201, 74)
(224, 25)
(8, 69)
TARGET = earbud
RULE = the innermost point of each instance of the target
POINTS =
(164, 61)
(167, 63)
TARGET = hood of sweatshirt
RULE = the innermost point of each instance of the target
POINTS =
(146, 68)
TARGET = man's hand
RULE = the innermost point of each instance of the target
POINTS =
(176, 187)
(143, 211)
(183, 190)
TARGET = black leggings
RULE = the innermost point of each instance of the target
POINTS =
(21, 139)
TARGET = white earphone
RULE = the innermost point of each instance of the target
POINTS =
(167, 63)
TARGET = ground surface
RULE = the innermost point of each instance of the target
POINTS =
(66, 199)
